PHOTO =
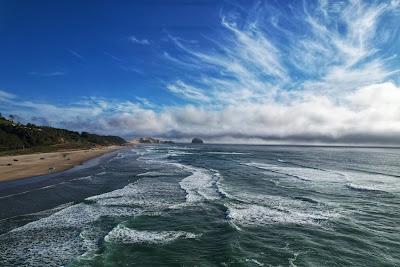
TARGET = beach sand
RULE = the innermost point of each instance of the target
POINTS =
(23, 166)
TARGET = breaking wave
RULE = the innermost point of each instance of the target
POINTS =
(124, 235)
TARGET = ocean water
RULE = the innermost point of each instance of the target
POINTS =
(209, 205)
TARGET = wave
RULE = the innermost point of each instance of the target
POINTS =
(124, 235)
(118, 156)
(143, 194)
(372, 182)
(200, 185)
(220, 187)
(249, 215)
(175, 153)
(364, 188)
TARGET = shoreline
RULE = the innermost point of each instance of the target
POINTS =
(18, 167)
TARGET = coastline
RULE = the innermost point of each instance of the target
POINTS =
(30, 165)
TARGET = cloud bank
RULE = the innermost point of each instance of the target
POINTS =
(318, 73)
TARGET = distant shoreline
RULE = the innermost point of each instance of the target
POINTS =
(36, 164)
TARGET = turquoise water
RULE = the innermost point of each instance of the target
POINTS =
(210, 205)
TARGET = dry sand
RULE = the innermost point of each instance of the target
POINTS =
(23, 166)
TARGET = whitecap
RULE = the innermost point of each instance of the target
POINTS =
(363, 187)
(360, 181)
(200, 185)
(124, 235)
(255, 261)
(257, 215)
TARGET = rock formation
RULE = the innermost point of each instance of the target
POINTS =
(197, 140)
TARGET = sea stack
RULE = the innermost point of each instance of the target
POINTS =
(197, 141)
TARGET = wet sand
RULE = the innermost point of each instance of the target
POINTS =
(23, 166)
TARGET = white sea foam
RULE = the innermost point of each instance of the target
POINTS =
(221, 187)
(200, 185)
(76, 216)
(363, 187)
(250, 209)
(118, 156)
(362, 181)
(147, 194)
(178, 153)
(41, 247)
(255, 261)
(122, 234)
(256, 215)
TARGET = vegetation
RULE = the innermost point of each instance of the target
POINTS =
(29, 137)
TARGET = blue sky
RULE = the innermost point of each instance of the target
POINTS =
(60, 51)
(229, 71)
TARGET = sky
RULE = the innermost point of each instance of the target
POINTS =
(307, 72)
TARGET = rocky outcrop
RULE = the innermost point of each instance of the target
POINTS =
(197, 140)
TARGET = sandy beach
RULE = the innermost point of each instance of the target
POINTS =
(23, 166)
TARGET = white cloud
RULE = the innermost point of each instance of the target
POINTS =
(370, 111)
(47, 74)
(76, 54)
(4, 96)
(187, 91)
(135, 40)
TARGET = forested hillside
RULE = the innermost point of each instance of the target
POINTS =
(15, 136)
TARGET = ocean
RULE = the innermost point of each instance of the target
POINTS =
(209, 205)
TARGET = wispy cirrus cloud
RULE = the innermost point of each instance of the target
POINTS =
(75, 54)
(187, 91)
(113, 57)
(47, 74)
(5, 96)
(135, 40)
(340, 50)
